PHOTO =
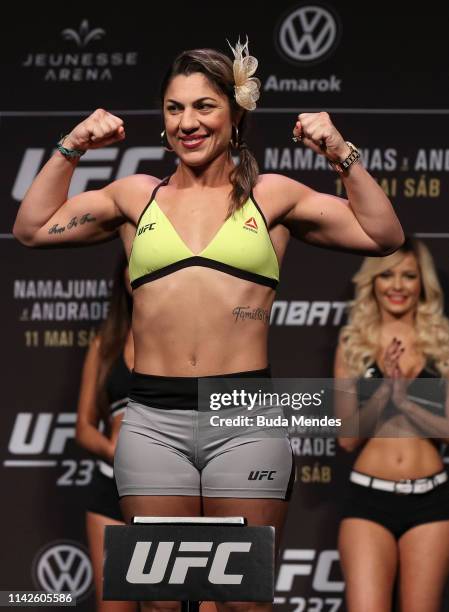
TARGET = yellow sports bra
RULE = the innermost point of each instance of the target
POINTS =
(242, 247)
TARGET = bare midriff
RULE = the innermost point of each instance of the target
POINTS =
(200, 322)
(396, 458)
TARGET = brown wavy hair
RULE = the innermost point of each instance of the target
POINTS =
(112, 335)
(360, 337)
(218, 69)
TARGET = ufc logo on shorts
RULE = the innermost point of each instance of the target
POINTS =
(164, 553)
(261, 475)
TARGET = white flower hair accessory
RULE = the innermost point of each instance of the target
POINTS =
(246, 86)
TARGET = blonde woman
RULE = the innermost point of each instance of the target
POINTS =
(396, 516)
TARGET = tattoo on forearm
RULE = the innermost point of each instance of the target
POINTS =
(74, 222)
(55, 229)
(86, 218)
(245, 313)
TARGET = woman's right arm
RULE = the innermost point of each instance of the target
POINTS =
(362, 419)
(87, 434)
(47, 217)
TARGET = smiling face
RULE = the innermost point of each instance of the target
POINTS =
(398, 288)
(197, 119)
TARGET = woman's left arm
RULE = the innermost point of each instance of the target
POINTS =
(365, 222)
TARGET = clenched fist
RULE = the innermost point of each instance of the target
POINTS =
(316, 131)
(98, 130)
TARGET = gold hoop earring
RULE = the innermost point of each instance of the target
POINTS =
(164, 141)
(234, 139)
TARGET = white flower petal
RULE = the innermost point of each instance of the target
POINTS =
(244, 66)
(250, 65)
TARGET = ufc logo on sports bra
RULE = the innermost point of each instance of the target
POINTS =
(144, 228)
(181, 565)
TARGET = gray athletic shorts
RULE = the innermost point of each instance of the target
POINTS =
(166, 452)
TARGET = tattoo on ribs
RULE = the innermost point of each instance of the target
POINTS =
(245, 313)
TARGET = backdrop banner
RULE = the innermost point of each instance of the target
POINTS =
(376, 69)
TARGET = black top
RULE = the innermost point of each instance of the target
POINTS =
(427, 394)
(118, 385)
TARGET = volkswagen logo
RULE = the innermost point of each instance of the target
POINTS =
(308, 34)
(63, 566)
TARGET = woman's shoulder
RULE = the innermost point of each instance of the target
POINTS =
(131, 193)
(279, 189)
(277, 182)
(340, 365)
(137, 182)
(342, 368)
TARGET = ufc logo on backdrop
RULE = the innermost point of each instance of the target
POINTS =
(121, 163)
(164, 553)
(33, 434)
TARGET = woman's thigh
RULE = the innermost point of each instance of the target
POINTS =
(369, 558)
(160, 505)
(258, 512)
(424, 566)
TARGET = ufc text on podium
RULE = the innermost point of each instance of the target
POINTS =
(189, 559)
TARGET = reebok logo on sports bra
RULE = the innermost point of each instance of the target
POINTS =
(249, 255)
(251, 225)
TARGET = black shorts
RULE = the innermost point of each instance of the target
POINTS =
(396, 512)
(103, 497)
